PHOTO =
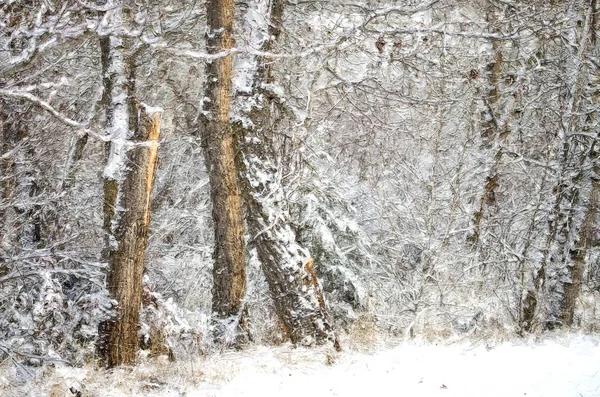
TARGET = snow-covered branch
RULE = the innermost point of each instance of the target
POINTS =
(398, 10)
(163, 47)
(81, 127)
(37, 46)
(17, 94)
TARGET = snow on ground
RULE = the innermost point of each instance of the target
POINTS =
(560, 367)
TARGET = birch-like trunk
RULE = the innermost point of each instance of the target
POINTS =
(220, 147)
(288, 267)
(556, 270)
(574, 270)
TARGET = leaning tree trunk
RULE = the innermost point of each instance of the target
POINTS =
(287, 266)
(128, 179)
(220, 147)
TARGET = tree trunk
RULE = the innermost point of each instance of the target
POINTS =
(578, 255)
(130, 233)
(128, 181)
(563, 227)
(6, 186)
(494, 132)
(75, 153)
(586, 239)
(220, 147)
(287, 266)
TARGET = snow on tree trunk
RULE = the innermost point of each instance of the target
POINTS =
(20, 217)
(499, 112)
(490, 133)
(75, 153)
(6, 186)
(128, 179)
(288, 267)
(556, 269)
(220, 147)
(129, 232)
(585, 240)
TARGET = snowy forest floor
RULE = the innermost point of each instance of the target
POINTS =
(560, 366)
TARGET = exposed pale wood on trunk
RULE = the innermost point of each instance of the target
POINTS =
(128, 180)
(130, 232)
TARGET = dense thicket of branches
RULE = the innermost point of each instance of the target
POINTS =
(437, 162)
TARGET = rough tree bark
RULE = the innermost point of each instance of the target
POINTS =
(586, 238)
(128, 179)
(130, 227)
(5, 187)
(563, 226)
(75, 154)
(495, 129)
(20, 222)
(490, 132)
(287, 266)
(220, 147)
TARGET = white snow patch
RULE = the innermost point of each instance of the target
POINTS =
(153, 109)
(554, 368)
(559, 367)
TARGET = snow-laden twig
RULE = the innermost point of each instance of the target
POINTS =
(401, 10)
(235, 51)
(82, 127)
(21, 94)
